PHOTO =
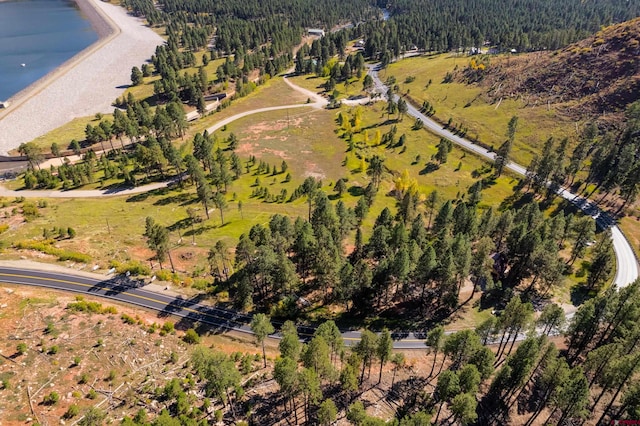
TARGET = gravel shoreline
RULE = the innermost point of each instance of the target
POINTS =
(103, 27)
(100, 23)
(84, 85)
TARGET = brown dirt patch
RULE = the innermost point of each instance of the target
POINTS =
(139, 358)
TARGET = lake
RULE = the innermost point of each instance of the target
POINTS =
(42, 35)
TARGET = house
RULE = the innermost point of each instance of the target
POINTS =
(316, 32)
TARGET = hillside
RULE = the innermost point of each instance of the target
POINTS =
(594, 77)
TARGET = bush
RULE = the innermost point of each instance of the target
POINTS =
(92, 394)
(22, 348)
(112, 375)
(128, 319)
(72, 411)
(52, 398)
(92, 307)
(30, 211)
(200, 284)
(191, 336)
(47, 248)
(50, 329)
(167, 328)
(132, 266)
(166, 275)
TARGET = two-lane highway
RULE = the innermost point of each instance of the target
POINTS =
(124, 290)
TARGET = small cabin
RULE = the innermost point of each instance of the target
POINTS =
(316, 32)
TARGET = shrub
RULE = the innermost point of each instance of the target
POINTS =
(168, 328)
(30, 211)
(22, 348)
(84, 378)
(112, 375)
(51, 398)
(191, 336)
(166, 275)
(47, 248)
(128, 319)
(72, 411)
(92, 307)
(132, 266)
(50, 329)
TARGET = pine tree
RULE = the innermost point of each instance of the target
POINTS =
(261, 328)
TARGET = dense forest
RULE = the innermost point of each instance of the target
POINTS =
(524, 25)
(263, 35)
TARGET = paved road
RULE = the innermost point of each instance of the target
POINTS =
(627, 264)
(128, 291)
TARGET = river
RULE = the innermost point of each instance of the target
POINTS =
(37, 36)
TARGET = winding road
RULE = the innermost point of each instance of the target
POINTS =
(194, 309)
(626, 262)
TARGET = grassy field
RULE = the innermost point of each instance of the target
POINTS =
(307, 139)
(466, 105)
(630, 226)
(316, 84)
(114, 231)
(274, 92)
(311, 142)
(75, 128)
(451, 179)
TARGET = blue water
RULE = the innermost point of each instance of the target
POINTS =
(41, 34)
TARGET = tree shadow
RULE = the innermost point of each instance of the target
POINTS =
(144, 195)
(355, 191)
(182, 199)
(181, 224)
(211, 319)
(430, 167)
(580, 294)
(199, 230)
(116, 285)
(409, 395)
